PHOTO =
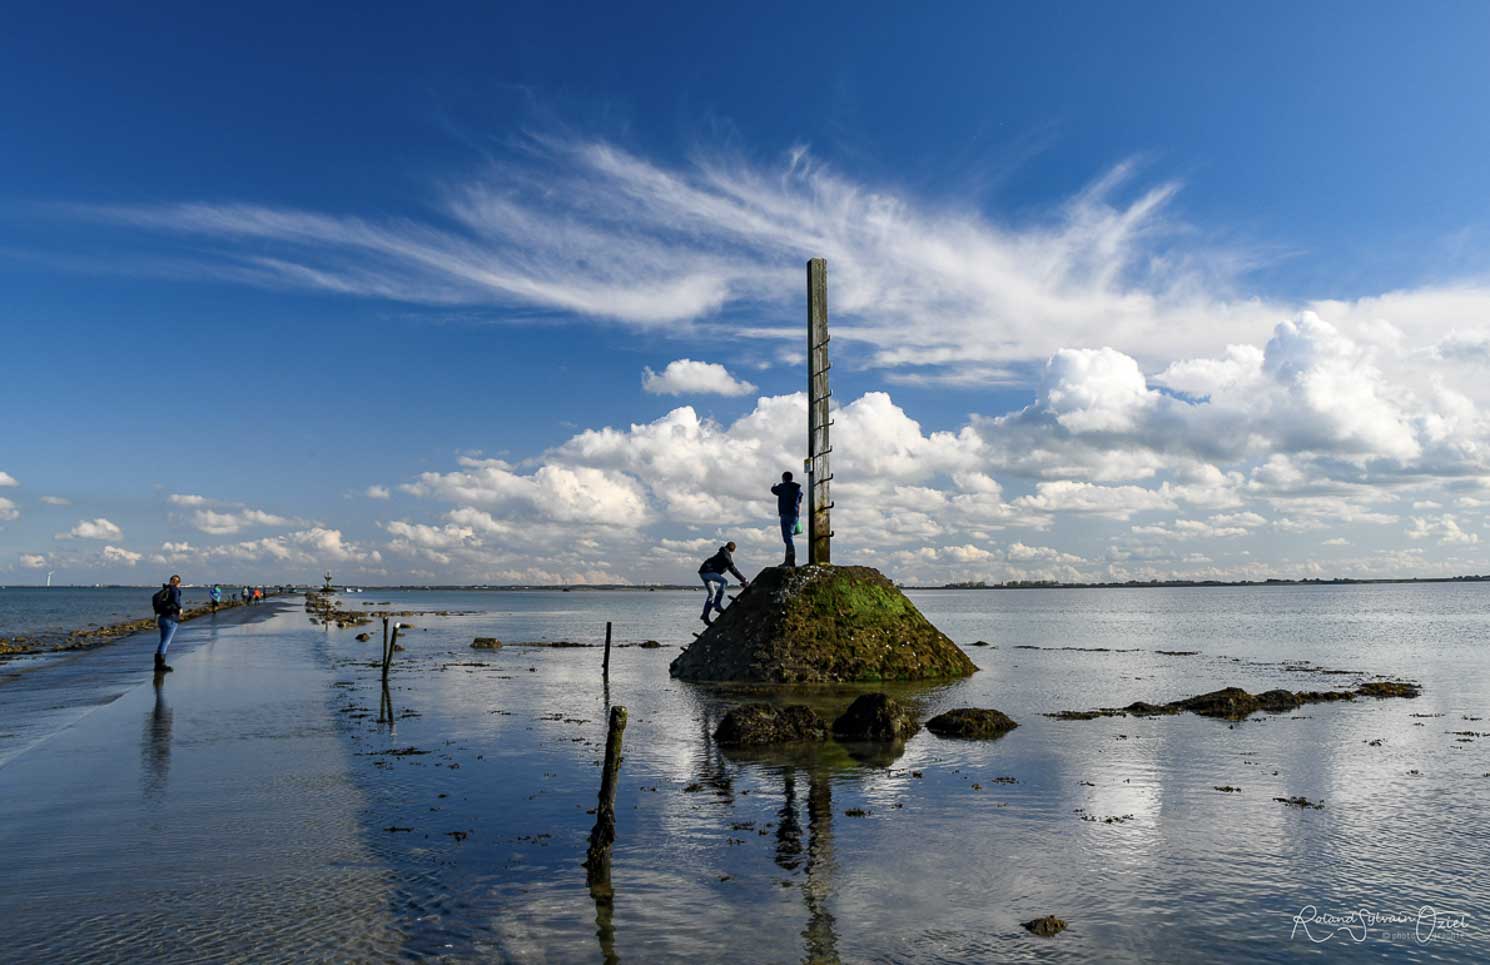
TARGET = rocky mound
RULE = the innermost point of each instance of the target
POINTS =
(971, 723)
(818, 624)
(755, 724)
(876, 717)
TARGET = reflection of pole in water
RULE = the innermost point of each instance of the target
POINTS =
(822, 941)
(155, 749)
(788, 828)
(385, 709)
(605, 926)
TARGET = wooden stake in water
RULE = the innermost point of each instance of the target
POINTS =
(605, 666)
(388, 649)
(603, 835)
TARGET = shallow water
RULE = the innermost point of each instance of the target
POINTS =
(269, 792)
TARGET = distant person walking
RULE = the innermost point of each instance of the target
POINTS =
(167, 604)
(216, 596)
(258, 594)
(789, 508)
(712, 572)
(247, 596)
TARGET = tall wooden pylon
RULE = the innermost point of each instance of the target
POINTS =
(819, 475)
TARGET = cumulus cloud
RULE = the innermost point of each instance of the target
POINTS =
(6, 479)
(378, 492)
(232, 521)
(313, 547)
(1444, 529)
(687, 377)
(581, 494)
(33, 561)
(8, 510)
(120, 556)
(187, 499)
(99, 528)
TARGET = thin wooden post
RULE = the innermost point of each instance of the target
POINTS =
(605, 666)
(819, 528)
(388, 651)
(603, 835)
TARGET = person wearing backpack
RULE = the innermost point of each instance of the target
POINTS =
(216, 596)
(789, 507)
(167, 603)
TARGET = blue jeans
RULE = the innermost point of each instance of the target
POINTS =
(167, 633)
(788, 526)
(714, 584)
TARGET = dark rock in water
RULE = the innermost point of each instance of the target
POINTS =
(486, 643)
(363, 637)
(1388, 688)
(1299, 802)
(1141, 708)
(1232, 703)
(817, 624)
(972, 723)
(1079, 714)
(1045, 927)
(754, 724)
(980, 643)
(1277, 701)
(650, 645)
(876, 717)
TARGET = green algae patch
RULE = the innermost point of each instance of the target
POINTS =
(822, 624)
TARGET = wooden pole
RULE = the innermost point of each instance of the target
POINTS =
(388, 651)
(605, 667)
(603, 835)
(819, 529)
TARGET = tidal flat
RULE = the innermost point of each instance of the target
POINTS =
(264, 802)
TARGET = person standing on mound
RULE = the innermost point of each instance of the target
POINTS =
(789, 507)
(167, 604)
(712, 573)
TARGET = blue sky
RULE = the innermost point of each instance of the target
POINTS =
(1192, 289)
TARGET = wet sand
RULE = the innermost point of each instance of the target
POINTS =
(46, 693)
(200, 815)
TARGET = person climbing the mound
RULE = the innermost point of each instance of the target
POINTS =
(714, 579)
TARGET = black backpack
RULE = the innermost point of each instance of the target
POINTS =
(161, 601)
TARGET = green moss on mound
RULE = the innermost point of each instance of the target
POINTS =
(820, 624)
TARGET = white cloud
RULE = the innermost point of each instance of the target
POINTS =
(119, 556)
(1113, 502)
(8, 510)
(33, 561)
(56, 501)
(1445, 529)
(99, 528)
(224, 523)
(6, 479)
(378, 492)
(183, 499)
(687, 377)
(579, 494)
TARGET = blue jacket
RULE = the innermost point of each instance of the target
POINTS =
(788, 499)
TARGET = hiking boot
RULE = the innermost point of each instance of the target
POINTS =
(161, 666)
(707, 621)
